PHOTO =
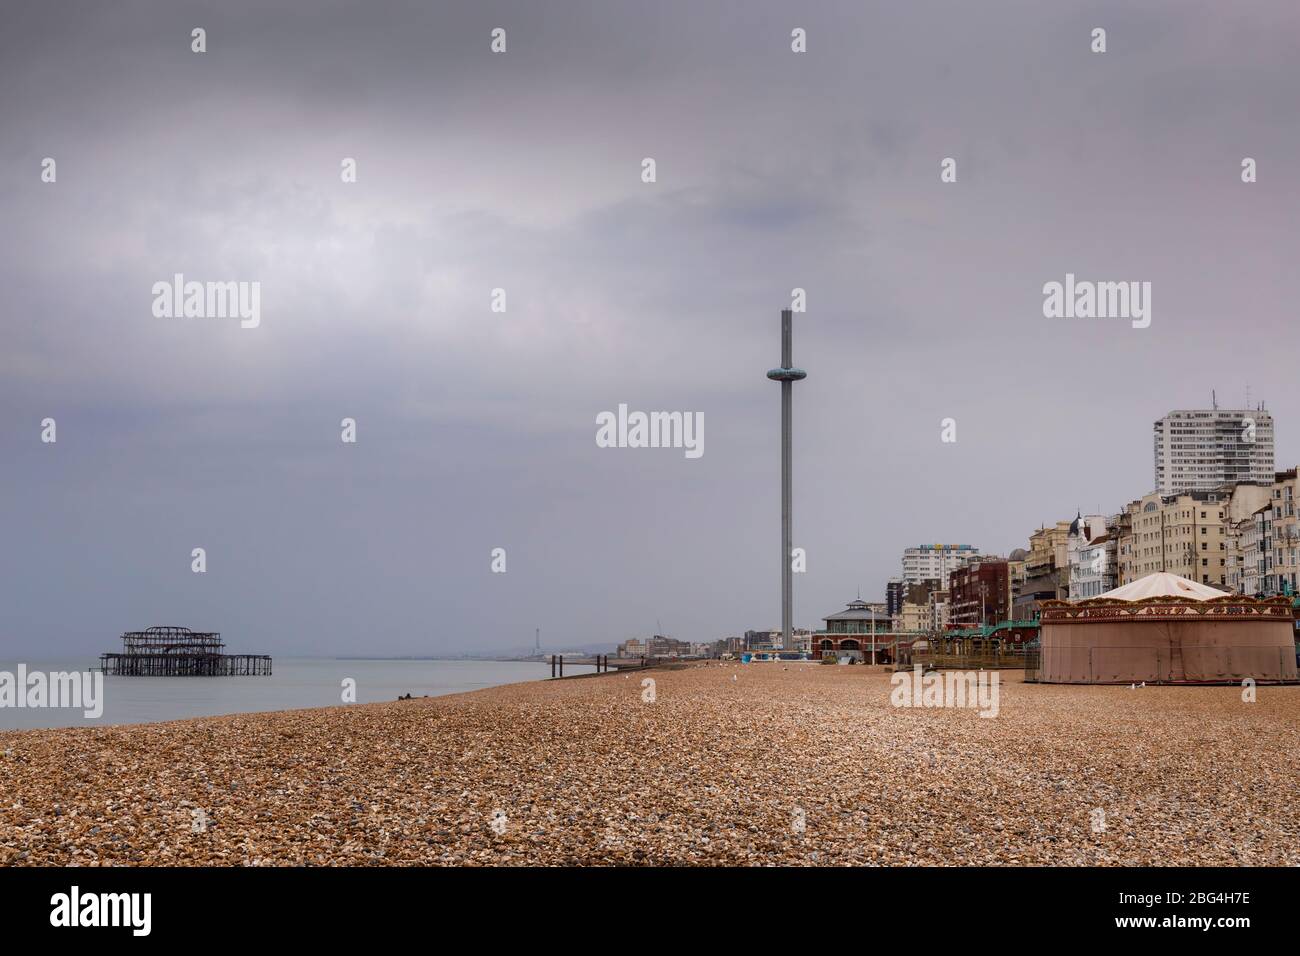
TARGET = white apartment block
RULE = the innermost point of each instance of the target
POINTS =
(1203, 449)
(934, 562)
(1093, 555)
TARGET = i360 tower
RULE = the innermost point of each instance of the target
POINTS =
(787, 375)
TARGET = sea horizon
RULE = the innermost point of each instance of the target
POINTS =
(295, 683)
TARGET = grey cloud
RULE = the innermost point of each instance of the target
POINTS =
(476, 430)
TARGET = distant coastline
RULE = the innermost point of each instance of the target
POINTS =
(297, 683)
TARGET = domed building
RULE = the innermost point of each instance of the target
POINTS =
(1165, 629)
(856, 632)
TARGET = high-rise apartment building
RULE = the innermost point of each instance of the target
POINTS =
(934, 562)
(1204, 449)
(894, 597)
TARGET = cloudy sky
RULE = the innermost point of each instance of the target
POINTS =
(522, 170)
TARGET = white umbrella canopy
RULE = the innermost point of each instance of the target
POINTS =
(1164, 584)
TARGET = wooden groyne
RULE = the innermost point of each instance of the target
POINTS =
(601, 662)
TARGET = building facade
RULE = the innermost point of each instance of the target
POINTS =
(978, 593)
(1285, 534)
(1046, 570)
(1250, 553)
(854, 632)
(912, 618)
(934, 562)
(1098, 569)
(1203, 449)
(771, 640)
(1264, 546)
(1091, 550)
(1184, 534)
(661, 646)
(940, 608)
(893, 596)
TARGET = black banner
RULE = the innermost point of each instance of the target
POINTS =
(392, 905)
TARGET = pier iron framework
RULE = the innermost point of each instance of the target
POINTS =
(180, 652)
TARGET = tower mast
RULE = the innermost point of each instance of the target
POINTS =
(787, 375)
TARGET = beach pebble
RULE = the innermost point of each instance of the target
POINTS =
(587, 772)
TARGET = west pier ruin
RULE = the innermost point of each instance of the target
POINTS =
(180, 652)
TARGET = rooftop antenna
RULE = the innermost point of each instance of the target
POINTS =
(1214, 399)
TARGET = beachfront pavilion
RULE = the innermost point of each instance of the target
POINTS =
(1167, 629)
(851, 632)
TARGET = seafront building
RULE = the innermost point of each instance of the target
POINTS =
(1249, 553)
(1092, 557)
(1097, 570)
(979, 593)
(853, 633)
(924, 607)
(1285, 573)
(663, 646)
(657, 646)
(1203, 449)
(1183, 534)
(940, 609)
(1263, 548)
(1046, 570)
(1232, 526)
(772, 639)
(1016, 571)
(933, 562)
(894, 589)
(912, 617)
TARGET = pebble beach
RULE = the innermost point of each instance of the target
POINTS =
(720, 765)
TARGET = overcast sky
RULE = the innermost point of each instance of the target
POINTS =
(522, 170)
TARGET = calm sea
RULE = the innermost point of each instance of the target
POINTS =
(295, 683)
